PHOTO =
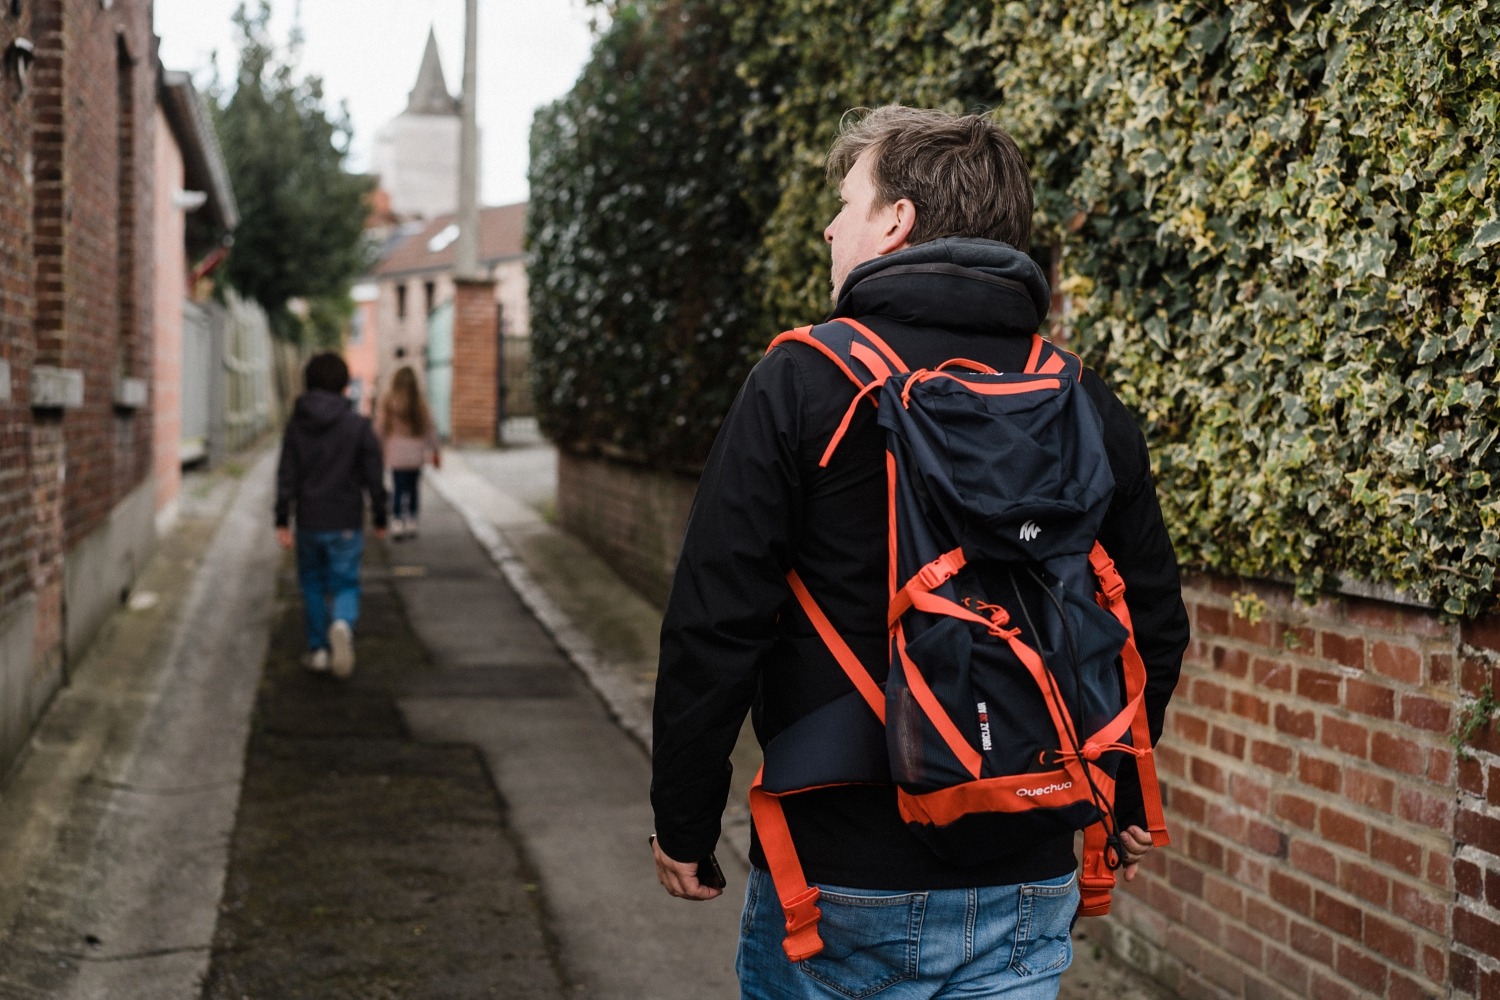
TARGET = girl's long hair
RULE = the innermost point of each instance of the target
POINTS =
(404, 406)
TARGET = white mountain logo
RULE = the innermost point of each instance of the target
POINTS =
(1030, 530)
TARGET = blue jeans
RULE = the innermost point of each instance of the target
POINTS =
(404, 492)
(1010, 941)
(328, 569)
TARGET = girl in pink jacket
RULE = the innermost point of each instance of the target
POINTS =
(408, 436)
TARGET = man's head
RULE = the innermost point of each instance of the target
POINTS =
(910, 176)
(328, 372)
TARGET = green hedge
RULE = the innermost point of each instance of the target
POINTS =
(1276, 224)
(638, 233)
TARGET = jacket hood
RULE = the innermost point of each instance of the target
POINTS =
(317, 410)
(967, 284)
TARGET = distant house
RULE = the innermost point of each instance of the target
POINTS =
(413, 283)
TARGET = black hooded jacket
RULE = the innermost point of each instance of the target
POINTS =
(329, 457)
(735, 640)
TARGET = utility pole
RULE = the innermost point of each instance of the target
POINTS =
(466, 249)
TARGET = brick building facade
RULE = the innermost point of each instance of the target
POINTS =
(76, 305)
(1329, 840)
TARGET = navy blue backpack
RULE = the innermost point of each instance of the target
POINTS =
(1013, 689)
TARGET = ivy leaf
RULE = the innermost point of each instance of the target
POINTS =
(1488, 234)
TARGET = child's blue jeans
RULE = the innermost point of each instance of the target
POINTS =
(404, 501)
(328, 571)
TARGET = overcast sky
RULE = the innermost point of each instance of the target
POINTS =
(368, 52)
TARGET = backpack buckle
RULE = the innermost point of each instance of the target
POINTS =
(802, 916)
(940, 570)
(1111, 584)
(1096, 881)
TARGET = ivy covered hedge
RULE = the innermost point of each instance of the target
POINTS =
(638, 232)
(1276, 223)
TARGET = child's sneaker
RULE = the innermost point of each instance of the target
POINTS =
(341, 641)
(411, 527)
(315, 660)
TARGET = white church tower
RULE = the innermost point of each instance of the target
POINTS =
(416, 153)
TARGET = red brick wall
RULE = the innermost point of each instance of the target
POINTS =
(1311, 789)
(94, 96)
(17, 305)
(76, 155)
(474, 407)
(633, 518)
(1328, 841)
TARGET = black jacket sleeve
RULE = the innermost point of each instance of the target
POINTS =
(720, 621)
(1135, 537)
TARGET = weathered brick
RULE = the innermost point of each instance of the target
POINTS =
(1313, 859)
(1319, 686)
(1320, 772)
(1301, 724)
(1367, 973)
(1339, 916)
(1347, 650)
(1474, 930)
(1374, 791)
(1364, 881)
(1420, 908)
(1397, 662)
(1477, 829)
(1388, 938)
(1421, 712)
(1398, 753)
(1291, 892)
(1274, 757)
(1227, 742)
(1339, 827)
(1348, 737)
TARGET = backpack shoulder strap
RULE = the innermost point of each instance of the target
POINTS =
(1047, 358)
(859, 352)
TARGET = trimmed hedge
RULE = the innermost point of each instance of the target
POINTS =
(1276, 221)
(638, 232)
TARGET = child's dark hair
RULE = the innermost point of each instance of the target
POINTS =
(327, 371)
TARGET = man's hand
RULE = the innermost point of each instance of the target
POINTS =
(1135, 844)
(437, 460)
(284, 537)
(680, 878)
(380, 533)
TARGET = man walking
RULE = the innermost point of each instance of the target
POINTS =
(929, 252)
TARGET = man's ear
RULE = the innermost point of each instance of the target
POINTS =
(902, 219)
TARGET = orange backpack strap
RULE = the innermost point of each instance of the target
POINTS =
(1097, 880)
(1112, 592)
(799, 901)
(858, 673)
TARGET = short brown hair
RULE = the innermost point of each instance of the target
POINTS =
(964, 173)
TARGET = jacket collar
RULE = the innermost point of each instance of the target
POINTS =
(967, 285)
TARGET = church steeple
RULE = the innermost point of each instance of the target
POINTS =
(430, 96)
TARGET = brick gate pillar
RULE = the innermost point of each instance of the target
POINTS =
(475, 407)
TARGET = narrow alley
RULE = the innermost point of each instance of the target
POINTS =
(465, 817)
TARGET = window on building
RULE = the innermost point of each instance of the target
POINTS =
(400, 301)
(429, 292)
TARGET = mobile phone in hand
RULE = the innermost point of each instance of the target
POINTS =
(710, 874)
